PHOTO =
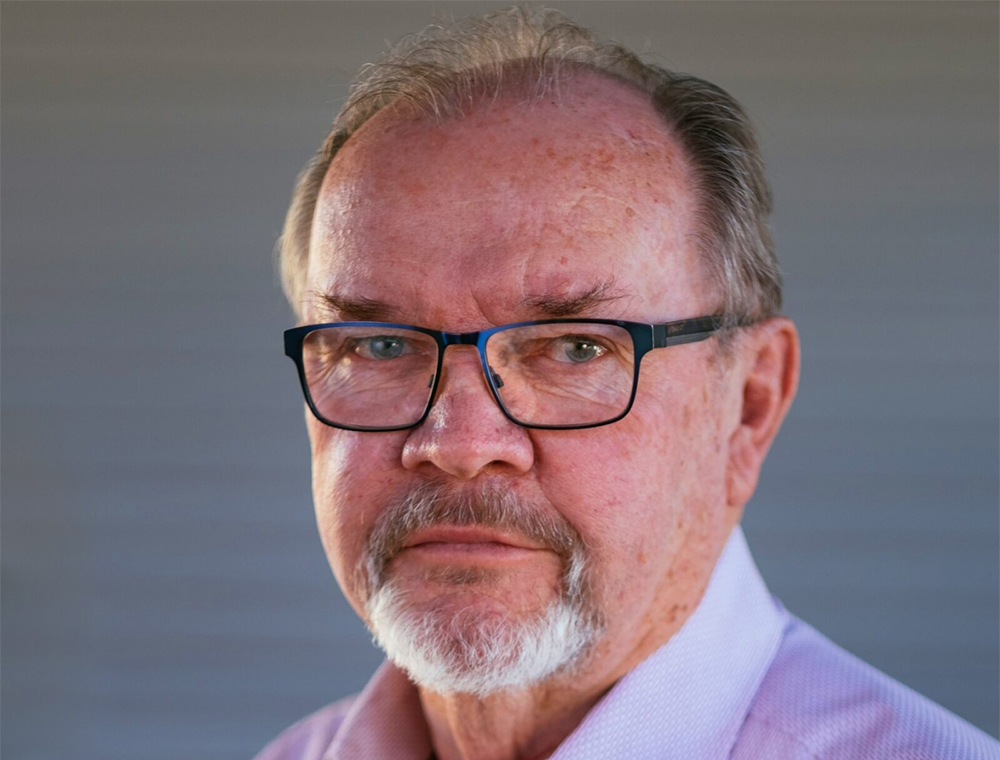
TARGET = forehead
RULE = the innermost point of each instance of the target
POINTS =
(462, 223)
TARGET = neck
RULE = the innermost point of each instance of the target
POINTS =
(526, 725)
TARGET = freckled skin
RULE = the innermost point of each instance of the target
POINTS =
(457, 223)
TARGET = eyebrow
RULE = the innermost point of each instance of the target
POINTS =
(358, 309)
(576, 305)
(361, 309)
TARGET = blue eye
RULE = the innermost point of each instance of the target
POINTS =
(579, 350)
(381, 347)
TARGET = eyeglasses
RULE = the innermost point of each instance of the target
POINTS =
(552, 374)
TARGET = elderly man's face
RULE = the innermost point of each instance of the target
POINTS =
(463, 226)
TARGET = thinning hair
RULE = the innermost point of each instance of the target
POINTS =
(447, 71)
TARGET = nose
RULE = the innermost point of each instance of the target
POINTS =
(465, 433)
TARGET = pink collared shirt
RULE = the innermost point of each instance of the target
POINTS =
(742, 679)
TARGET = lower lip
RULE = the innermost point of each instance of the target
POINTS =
(486, 550)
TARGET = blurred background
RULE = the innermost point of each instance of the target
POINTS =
(164, 591)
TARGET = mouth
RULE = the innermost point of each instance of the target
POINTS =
(458, 543)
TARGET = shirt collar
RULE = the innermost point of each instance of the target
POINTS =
(386, 720)
(687, 699)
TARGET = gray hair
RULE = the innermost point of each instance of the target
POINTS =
(446, 71)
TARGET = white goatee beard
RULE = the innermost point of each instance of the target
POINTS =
(475, 651)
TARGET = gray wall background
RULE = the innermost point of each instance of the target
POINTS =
(164, 592)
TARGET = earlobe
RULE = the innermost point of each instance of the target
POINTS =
(771, 356)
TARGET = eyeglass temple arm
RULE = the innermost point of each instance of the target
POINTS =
(685, 331)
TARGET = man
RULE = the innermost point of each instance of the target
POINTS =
(543, 361)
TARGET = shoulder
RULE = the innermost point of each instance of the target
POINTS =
(820, 702)
(310, 737)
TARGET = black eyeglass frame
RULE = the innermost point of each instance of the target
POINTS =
(645, 338)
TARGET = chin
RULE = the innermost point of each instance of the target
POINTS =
(467, 645)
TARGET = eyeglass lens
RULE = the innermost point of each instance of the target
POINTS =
(549, 374)
(369, 376)
(563, 373)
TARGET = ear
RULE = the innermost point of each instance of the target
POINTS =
(769, 356)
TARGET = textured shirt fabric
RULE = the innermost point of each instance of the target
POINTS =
(742, 679)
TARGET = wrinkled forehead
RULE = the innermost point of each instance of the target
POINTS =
(510, 203)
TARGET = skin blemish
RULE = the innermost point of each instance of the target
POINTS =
(564, 260)
(629, 211)
(414, 187)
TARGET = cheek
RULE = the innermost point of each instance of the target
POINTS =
(352, 480)
(682, 423)
(609, 483)
(634, 489)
